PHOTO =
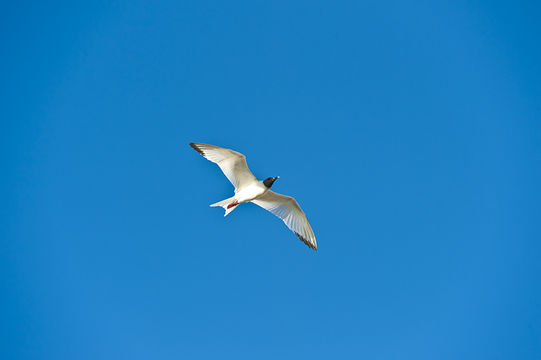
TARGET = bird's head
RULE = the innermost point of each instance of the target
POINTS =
(269, 181)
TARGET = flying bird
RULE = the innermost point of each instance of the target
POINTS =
(249, 189)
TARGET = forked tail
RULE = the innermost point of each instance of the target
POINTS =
(228, 205)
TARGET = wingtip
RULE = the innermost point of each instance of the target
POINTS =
(306, 242)
(196, 148)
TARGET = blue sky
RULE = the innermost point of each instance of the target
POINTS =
(409, 132)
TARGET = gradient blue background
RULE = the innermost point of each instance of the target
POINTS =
(410, 133)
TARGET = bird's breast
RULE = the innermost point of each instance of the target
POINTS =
(251, 192)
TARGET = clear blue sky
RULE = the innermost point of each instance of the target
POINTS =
(409, 132)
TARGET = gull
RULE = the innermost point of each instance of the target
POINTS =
(249, 189)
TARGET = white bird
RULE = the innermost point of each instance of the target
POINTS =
(249, 189)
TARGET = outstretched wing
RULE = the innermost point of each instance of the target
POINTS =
(232, 163)
(287, 209)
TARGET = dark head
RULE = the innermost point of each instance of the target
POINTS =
(269, 181)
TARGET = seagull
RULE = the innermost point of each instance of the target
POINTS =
(249, 189)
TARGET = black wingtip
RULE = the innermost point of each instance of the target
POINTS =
(196, 148)
(306, 242)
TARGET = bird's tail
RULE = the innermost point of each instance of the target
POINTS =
(228, 205)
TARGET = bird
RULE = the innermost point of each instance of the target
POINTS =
(249, 189)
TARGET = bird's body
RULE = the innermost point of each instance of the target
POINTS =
(250, 192)
(249, 189)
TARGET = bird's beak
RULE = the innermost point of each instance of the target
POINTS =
(276, 178)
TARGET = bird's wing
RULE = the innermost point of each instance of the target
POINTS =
(232, 163)
(287, 209)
